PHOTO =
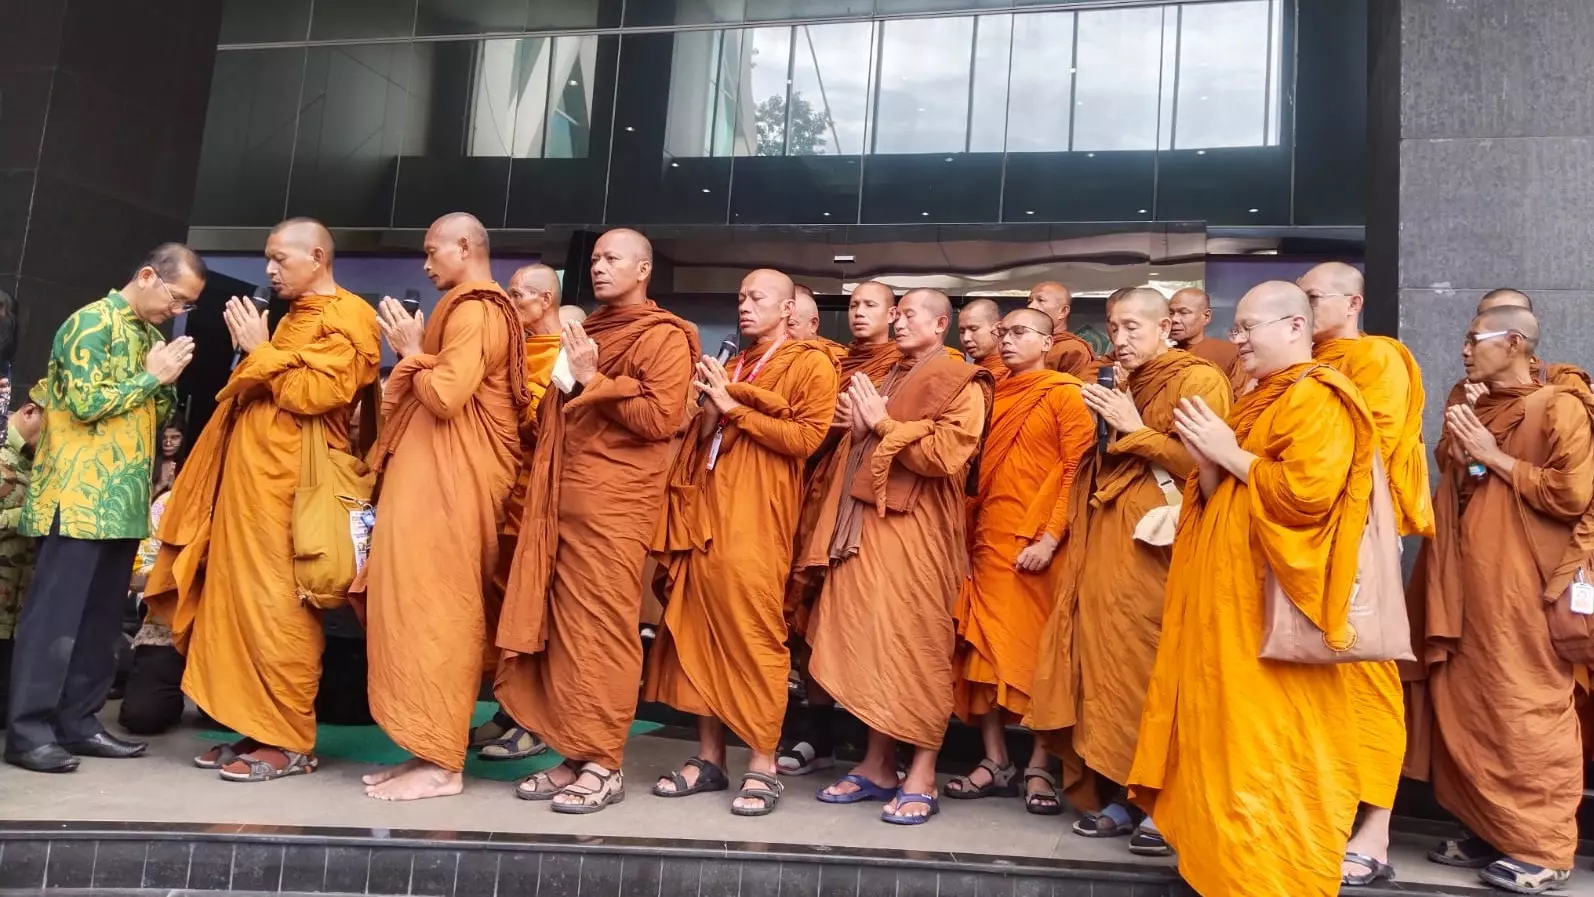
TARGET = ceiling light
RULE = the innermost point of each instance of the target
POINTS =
(925, 214)
(1253, 211)
(949, 158)
(629, 128)
(1142, 211)
(1029, 211)
(705, 190)
(1152, 274)
(573, 82)
(1201, 152)
(1090, 155)
(675, 165)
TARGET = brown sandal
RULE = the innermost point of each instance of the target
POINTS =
(258, 770)
(610, 790)
(541, 784)
(224, 754)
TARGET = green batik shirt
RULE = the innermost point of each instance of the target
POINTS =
(102, 411)
(16, 550)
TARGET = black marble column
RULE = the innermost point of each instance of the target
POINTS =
(102, 105)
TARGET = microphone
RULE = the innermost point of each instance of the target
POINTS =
(261, 300)
(727, 349)
(411, 302)
(1105, 377)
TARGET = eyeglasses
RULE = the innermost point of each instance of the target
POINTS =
(180, 305)
(1245, 330)
(1473, 339)
(1018, 330)
(1315, 298)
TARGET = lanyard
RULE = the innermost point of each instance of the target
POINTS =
(736, 377)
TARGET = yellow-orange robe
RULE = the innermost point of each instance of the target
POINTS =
(447, 460)
(1109, 606)
(882, 632)
(572, 661)
(1243, 762)
(726, 546)
(1391, 385)
(1072, 355)
(224, 574)
(1040, 431)
(992, 363)
(1225, 355)
(1495, 727)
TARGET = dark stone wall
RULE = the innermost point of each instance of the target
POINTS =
(102, 105)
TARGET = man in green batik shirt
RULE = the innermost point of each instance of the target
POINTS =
(16, 550)
(108, 389)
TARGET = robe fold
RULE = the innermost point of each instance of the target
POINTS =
(882, 632)
(572, 661)
(1040, 431)
(1225, 355)
(1494, 727)
(1243, 762)
(224, 573)
(1072, 355)
(1100, 644)
(447, 461)
(993, 364)
(725, 544)
(1391, 385)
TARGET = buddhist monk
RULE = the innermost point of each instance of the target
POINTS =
(1191, 312)
(809, 746)
(883, 634)
(224, 574)
(978, 322)
(572, 661)
(722, 652)
(804, 323)
(447, 458)
(1391, 385)
(1040, 431)
(535, 290)
(1498, 735)
(1109, 605)
(1250, 766)
(1070, 354)
(1569, 375)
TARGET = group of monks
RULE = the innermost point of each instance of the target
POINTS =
(1033, 536)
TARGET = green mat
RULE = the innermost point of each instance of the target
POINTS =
(369, 744)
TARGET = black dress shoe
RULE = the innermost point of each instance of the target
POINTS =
(46, 758)
(107, 746)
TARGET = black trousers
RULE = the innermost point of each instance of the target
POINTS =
(152, 700)
(64, 657)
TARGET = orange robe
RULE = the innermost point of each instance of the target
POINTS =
(1495, 727)
(447, 459)
(993, 363)
(1040, 430)
(836, 351)
(1391, 385)
(1226, 356)
(726, 546)
(1109, 606)
(1244, 763)
(882, 633)
(572, 661)
(224, 574)
(1072, 355)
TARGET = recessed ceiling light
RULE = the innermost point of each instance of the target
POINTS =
(1201, 152)
(827, 214)
(675, 165)
(573, 82)
(1029, 211)
(1142, 211)
(1253, 211)
(629, 128)
(705, 190)
(1090, 155)
(949, 158)
(925, 214)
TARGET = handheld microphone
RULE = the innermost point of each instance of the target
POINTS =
(411, 302)
(727, 350)
(261, 300)
(1106, 377)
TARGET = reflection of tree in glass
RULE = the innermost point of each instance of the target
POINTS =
(808, 127)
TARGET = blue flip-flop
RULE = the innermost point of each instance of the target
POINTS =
(867, 790)
(907, 797)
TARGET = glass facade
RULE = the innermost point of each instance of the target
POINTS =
(528, 113)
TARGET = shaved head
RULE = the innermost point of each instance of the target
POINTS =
(1148, 300)
(871, 309)
(804, 321)
(1026, 338)
(1031, 318)
(622, 265)
(1515, 319)
(534, 289)
(1054, 299)
(1499, 346)
(632, 240)
(461, 226)
(1335, 291)
(538, 277)
(980, 310)
(1138, 323)
(1274, 326)
(876, 288)
(935, 301)
(307, 233)
(764, 304)
(923, 316)
(571, 314)
(1334, 275)
(1193, 296)
(977, 323)
(299, 259)
(456, 251)
(1190, 311)
(1504, 297)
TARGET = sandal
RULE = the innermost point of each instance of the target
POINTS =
(1471, 852)
(515, 744)
(1041, 803)
(542, 785)
(1101, 825)
(709, 778)
(803, 758)
(906, 798)
(1149, 843)
(294, 764)
(867, 790)
(491, 731)
(610, 790)
(1523, 878)
(1003, 783)
(223, 754)
(769, 796)
(1376, 871)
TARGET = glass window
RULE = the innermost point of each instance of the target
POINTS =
(251, 21)
(703, 91)
(344, 19)
(350, 133)
(1041, 82)
(1223, 75)
(440, 171)
(470, 16)
(247, 150)
(574, 14)
(993, 39)
(767, 10)
(509, 97)
(570, 97)
(763, 82)
(831, 70)
(682, 12)
(923, 98)
(1117, 85)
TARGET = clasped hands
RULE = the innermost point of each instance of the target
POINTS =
(402, 329)
(1469, 438)
(1207, 437)
(1115, 406)
(860, 407)
(246, 324)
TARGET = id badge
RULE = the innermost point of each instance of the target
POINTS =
(1582, 598)
(714, 455)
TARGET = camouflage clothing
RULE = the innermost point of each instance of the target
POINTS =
(16, 550)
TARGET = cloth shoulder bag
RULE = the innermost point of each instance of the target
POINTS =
(332, 519)
(1380, 630)
(1162, 522)
(1569, 613)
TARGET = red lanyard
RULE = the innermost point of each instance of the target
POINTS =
(736, 377)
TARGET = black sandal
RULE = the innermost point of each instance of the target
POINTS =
(709, 778)
(1376, 871)
(1523, 878)
(769, 796)
(1471, 852)
(1147, 843)
(1100, 825)
(1041, 803)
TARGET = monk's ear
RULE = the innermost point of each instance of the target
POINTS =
(644, 269)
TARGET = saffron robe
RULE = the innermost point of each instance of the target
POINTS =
(1243, 762)
(572, 662)
(1494, 726)
(1040, 431)
(725, 544)
(224, 574)
(1072, 355)
(993, 364)
(447, 460)
(882, 633)
(1225, 355)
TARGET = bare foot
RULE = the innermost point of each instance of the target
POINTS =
(382, 775)
(419, 783)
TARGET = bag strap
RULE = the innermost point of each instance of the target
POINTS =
(1535, 409)
(1168, 485)
(313, 450)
